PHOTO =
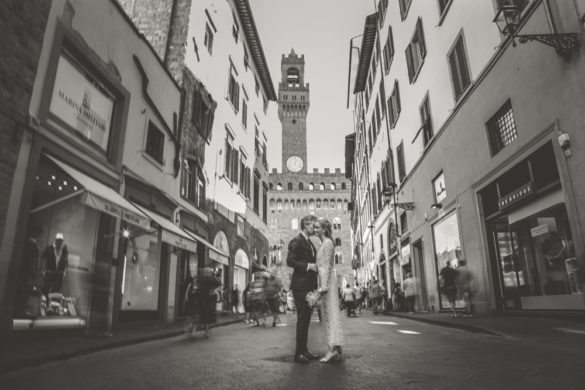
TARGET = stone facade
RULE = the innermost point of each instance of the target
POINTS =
(288, 205)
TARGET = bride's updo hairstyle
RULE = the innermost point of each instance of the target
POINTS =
(326, 227)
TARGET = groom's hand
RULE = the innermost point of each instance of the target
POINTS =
(312, 267)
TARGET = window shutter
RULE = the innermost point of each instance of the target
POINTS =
(391, 41)
(397, 93)
(409, 61)
(454, 73)
(237, 96)
(462, 61)
(421, 39)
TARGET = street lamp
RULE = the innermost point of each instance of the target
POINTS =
(508, 19)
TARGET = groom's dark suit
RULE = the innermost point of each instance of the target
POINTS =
(301, 253)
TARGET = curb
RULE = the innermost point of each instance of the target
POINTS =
(39, 360)
(455, 325)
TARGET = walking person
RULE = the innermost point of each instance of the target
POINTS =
(247, 304)
(410, 292)
(376, 294)
(349, 298)
(302, 258)
(236, 300)
(448, 277)
(283, 299)
(273, 286)
(466, 287)
(331, 315)
(258, 298)
(209, 284)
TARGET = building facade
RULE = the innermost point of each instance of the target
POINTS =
(483, 136)
(294, 192)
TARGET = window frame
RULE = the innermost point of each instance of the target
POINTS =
(394, 105)
(208, 38)
(491, 125)
(459, 38)
(233, 92)
(416, 46)
(446, 5)
(400, 161)
(404, 8)
(157, 155)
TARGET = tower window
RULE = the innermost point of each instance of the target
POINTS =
(322, 186)
(279, 187)
(293, 78)
(294, 121)
(301, 186)
(208, 39)
(289, 186)
(338, 241)
(311, 186)
(333, 187)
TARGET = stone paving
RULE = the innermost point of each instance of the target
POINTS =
(381, 353)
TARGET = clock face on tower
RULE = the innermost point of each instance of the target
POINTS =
(294, 163)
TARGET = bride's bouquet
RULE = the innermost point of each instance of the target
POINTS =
(314, 298)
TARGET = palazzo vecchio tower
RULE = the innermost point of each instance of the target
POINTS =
(296, 192)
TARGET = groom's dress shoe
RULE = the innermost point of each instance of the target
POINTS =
(310, 356)
(302, 359)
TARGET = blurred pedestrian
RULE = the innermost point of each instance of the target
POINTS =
(448, 277)
(209, 287)
(466, 287)
(349, 298)
(358, 295)
(273, 286)
(397, 297)
(246, 303)
(235, 300)
(283, 300)
(409, 292)
(258, 298)
(376, 294)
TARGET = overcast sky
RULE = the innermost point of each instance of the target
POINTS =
(321, 30)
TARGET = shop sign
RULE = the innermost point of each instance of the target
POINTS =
(539, 230)
(113, 209)
(80, 104)
(178, 241)
(516, 195)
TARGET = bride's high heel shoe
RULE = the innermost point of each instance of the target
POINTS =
(331, 355)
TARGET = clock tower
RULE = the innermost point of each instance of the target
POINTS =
(293, 105)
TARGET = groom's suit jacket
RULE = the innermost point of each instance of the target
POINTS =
(301, 252)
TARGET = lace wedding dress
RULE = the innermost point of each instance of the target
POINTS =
(330, 301)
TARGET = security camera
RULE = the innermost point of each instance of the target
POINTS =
(564, 141)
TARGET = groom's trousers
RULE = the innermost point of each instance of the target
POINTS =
(304, 313)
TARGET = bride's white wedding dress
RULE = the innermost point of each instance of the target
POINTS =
(330, 301)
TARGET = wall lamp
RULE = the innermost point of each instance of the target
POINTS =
(508, 19)
(436, 206)
(389, 195)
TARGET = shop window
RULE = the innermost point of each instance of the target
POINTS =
(448, 252)
(458, 67)
(502, 128)
(155, 143)
(416, 52)
(544, 164)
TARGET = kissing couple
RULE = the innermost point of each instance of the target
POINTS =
(314, 271)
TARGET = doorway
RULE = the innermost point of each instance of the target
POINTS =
(419, 275)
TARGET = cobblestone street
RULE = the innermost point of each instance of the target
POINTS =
(381, 352)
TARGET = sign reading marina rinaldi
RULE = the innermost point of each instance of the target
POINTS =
(516, 195)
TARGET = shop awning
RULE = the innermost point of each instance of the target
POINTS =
(103, 198)
(214, 252)
(171, 233)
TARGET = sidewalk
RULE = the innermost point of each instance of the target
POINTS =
(501, 324)
(31, 348)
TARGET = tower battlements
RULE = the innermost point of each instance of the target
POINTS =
(293, 58)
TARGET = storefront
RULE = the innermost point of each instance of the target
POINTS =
(531, 243)
(241, 267)
(448, 252)
(72, 225)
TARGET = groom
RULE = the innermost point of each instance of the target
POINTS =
(302, 257)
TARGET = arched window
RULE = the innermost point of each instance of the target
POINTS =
(292, 204)
(339, 204)
(279, 187)
(318, 203)
(332, 203)
(271, 186)
(311, 204)
(301, 186)
(333, 187)
(338, 241)
(322, 186)
(279, 204)
(299, 204)
(294, 224)
(338, 258)
(305, 204)
(325, 204)
(289, 186)
(343, 187)
(311, 187)
(272, 203)
(292, 77)
(286, 204)
(345, 204)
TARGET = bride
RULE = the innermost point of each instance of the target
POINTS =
(328, 290)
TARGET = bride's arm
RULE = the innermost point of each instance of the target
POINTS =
(326, 264)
